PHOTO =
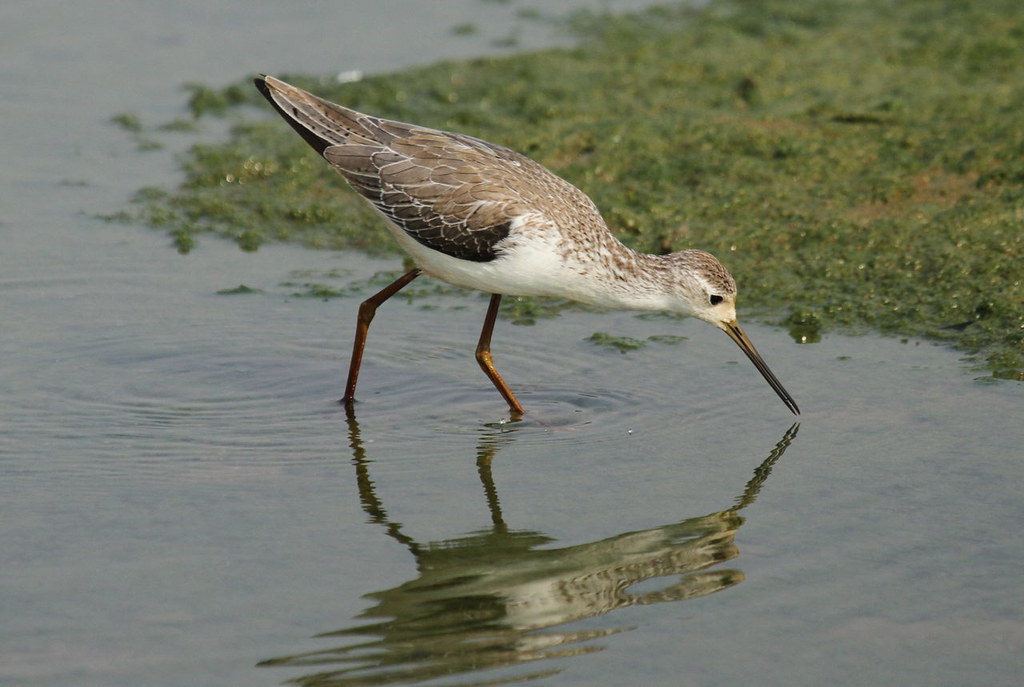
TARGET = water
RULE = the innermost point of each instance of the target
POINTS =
(184, 502)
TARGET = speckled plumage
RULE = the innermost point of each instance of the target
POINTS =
(482, 216)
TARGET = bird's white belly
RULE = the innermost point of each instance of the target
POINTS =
(525, 268)
(534, 261)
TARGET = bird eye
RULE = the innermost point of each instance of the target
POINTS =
(715, 299)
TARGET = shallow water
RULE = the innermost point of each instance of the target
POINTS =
(184, 502)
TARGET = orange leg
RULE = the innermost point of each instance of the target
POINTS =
(483, 356)
(367, 310)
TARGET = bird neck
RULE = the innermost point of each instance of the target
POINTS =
(630, 280)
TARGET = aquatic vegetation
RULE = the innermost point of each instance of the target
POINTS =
(855, 165)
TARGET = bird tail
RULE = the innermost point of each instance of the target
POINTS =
(321, 124)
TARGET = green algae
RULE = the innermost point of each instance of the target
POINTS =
(241, 289)
(128, 121)
(625, 344)
(857, 165)
(622, 344)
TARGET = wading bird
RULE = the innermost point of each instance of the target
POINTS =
(484, 217)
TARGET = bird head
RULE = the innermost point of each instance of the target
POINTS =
(707, 291)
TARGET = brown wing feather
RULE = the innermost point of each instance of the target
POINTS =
(453, 193)
(434, 186)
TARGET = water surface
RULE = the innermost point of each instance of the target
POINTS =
(184, 502)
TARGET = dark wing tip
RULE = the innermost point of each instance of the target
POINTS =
(317, 142)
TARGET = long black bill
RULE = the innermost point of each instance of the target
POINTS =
(736, 334)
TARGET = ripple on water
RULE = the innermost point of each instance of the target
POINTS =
(415, 381)
(161, 409)
(558, 414)
(254, 391)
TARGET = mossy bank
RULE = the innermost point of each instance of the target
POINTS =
(856, 165)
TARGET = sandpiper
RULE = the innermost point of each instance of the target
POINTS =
(481, 216)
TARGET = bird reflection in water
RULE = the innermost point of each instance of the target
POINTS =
(495, 599)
